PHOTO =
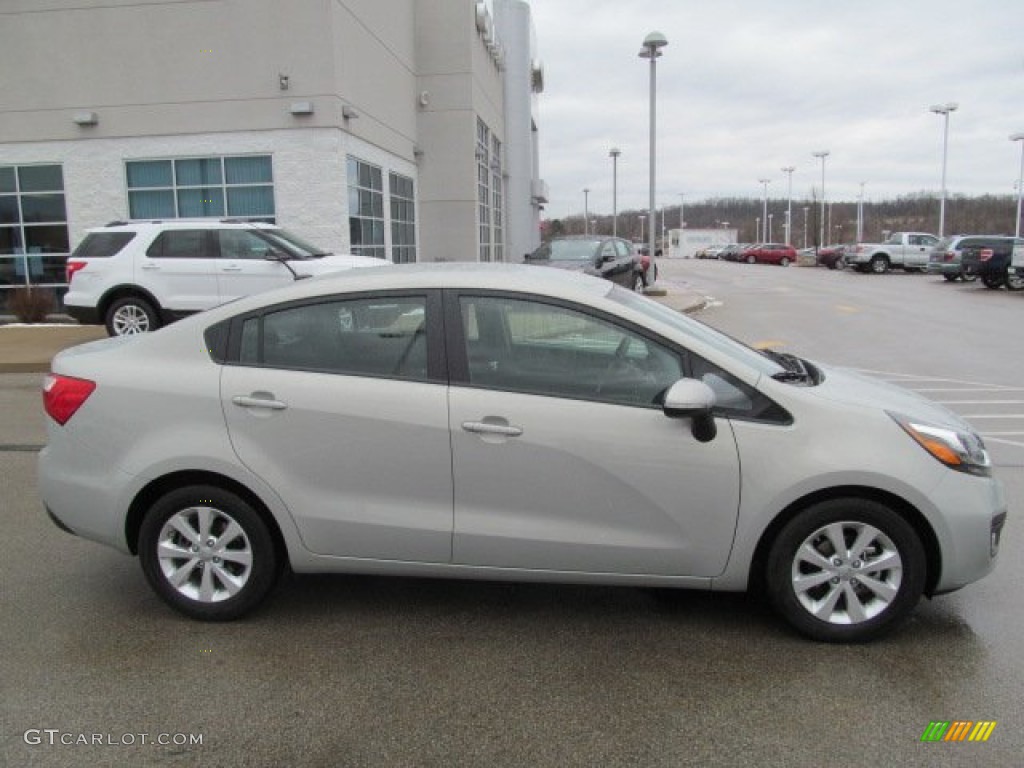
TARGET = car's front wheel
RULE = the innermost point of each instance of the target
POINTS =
(1014, 282)
(785, 262)
(846, 570)
(993, 282)
(207, 553)
(950, 278)
(130, 315)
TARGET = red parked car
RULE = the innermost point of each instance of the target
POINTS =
(771, 253)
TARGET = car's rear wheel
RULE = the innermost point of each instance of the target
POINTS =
(784, 262)
(846, 570)
(879, 265)
(207, 553)
(950, 278)
(131, 315)
(993, 282)
(968, 278)
(751, 259)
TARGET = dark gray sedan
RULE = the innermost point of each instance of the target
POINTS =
(608, 257)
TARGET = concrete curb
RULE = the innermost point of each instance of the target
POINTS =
(30, 348)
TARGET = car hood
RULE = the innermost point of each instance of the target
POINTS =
(573, 266)
(335, 263)
(846, 386)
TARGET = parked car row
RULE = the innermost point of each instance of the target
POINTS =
(995, 260)
(759, 253)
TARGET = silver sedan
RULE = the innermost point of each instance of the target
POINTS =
(509, 422)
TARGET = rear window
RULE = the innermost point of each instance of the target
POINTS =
(101, 245)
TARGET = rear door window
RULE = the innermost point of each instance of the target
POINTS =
(179, 244)
(101, 245)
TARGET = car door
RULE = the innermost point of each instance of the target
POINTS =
(561, 458)
(341, 406)
(177, 269)
(918, 248)
(242, 265)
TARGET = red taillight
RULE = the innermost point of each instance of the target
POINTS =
(70, 268)
(950, 255)
(986, 254)
(64, 395)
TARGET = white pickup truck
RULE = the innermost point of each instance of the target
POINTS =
(907, 250)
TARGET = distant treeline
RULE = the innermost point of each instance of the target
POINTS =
(986, 214)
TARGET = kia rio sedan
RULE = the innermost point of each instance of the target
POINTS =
(513, 423)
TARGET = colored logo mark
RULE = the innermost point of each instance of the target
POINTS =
(958, 730)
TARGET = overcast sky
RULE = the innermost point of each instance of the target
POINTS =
(746, 88)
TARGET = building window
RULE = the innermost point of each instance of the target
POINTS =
(366, 209)
(191, 187)
(34, 241)
(483, 187)
(403, 218)
(498, 206)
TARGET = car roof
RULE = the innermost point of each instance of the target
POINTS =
(525, 278)
(140, 224)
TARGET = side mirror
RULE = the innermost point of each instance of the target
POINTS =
(695, 400)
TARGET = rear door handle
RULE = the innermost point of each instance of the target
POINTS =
(231, 268)
(259, 400)
(486, 428)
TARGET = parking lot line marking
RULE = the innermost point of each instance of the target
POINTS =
(768, 344)
(992, 415)
(968, 389)
(1005, 442)
(847, 309)
(980, 402)
(1003, 434)
(919, 378)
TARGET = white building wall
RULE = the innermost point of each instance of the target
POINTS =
(683, 243)
(309, 165)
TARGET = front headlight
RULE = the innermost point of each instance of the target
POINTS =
(962, 451)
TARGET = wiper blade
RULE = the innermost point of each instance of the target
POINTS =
(791, 376)
(795, 368)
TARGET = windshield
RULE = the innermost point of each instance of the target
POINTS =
(293, 245)
(573, 250)
(719, 341)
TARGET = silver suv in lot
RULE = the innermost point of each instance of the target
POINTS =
(136, 276)
(505, 422)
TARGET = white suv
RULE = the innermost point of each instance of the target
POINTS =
(136, 276)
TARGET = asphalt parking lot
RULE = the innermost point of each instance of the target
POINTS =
(355, 671)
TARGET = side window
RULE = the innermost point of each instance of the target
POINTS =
(365, 337)
(178, 244)
(242, 244)
(608, 250)
(734, 398)
(622, 249)
(546, 349)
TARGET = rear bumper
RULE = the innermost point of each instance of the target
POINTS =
(944, 268)
(84, 315)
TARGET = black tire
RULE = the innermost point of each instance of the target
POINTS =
(879, 265)
(896, 542)
(247, 562)
(1013, 281)
(950, 278)
(993, 282)
(784, 262)
(751, 260)
(968, 278)
(130, 315)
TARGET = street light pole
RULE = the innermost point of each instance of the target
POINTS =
(860, 214)
(614, 153)
(682, 221)
(788, 170)
(806, 209)
(651, 44)
(586, 211)
(1020, 181)
(822, 153)
(944, 110)
(771, 217)
(764, 216)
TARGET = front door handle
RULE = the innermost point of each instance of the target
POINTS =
(259, 400)
(231, 268)
(488, 428)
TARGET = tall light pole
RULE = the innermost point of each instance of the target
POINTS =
(682, 221)
(651, 44)
(586, 211)
(806, 209)
(764, 216)
(771, 217)
(1020, 181)
(860, 214)
(822, 153)
(788, 170)
(614, 153)
(944, 110)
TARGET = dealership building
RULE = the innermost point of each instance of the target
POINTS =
(404, 130)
